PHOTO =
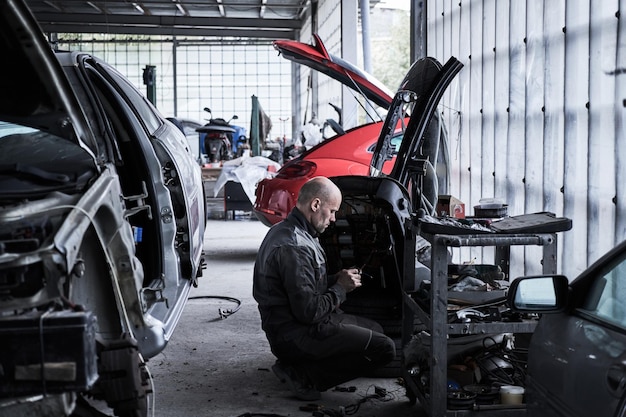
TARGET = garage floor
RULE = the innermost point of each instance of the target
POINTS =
(222, 366)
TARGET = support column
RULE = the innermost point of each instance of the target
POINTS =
(349, 47)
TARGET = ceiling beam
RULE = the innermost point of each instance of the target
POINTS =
(170, 31)
(173, 21)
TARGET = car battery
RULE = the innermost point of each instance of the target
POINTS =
(47, 352)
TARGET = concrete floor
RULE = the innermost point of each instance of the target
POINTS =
(222, 366)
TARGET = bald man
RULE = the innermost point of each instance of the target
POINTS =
(316, 345)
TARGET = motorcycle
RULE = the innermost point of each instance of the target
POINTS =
(221, 140)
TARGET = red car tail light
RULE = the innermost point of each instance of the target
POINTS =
(297, 169)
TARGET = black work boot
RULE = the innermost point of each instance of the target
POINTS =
(299, 386)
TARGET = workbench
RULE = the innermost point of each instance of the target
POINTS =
(434, 397)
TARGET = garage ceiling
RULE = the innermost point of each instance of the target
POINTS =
(273, 19)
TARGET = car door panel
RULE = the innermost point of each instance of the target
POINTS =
(175, 163)
(577, 357)
(156, 184)
(572, 358)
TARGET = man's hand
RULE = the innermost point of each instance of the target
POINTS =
(349, 279)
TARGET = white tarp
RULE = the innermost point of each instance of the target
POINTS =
(247, 170)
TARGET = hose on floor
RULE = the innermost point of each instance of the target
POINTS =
(223, 312)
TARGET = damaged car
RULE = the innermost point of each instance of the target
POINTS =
(101, 229)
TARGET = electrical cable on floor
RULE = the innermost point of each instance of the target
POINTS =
(223, 312)
(380, 394)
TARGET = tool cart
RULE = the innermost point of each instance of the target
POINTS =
(431, 386)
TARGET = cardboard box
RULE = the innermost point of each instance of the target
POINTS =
(448, 206)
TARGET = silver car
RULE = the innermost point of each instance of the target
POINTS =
(101, 228)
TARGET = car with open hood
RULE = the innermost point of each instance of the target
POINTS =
(346, 153)
(101, 228)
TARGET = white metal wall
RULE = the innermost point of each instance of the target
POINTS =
(536, 116)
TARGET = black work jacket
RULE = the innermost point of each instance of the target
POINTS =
(291, 285)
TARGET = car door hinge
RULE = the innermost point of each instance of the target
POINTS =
(140, 203)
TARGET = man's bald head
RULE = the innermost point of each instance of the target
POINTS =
(317, 187)
(318, 200)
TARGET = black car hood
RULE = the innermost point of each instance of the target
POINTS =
(317, 57)
(35, 91)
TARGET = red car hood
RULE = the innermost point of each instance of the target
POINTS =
(317, 57)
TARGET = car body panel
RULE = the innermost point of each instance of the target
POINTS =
(162, 153)
(347, 154)
(317, 57)
(569, 365)
(577, 355)
(354, 148)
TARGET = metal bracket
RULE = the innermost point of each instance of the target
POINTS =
(140, 203)
(154, 295)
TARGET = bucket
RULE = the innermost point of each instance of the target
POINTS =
(490, 208)
(511, 394)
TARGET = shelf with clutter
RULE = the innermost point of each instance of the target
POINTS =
(467, 354)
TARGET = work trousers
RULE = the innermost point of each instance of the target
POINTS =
(357, 347)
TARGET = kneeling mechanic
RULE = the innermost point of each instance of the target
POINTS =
(317, 346)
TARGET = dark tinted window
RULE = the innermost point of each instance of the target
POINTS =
(606, 299)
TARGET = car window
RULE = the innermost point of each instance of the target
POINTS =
(396, 141)
(606, 299)
(7, 129)
(28, 170)
(137, 101)
(190, 129)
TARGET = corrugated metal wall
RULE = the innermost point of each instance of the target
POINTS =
(536, 116)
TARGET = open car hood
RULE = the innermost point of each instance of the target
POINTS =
(35, 91)
(317, 57)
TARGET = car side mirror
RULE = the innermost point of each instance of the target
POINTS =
(538, 294)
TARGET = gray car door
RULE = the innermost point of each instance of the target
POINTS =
(577, 359)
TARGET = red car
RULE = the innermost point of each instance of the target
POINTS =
(349, 153)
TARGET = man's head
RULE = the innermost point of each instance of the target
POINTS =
(318, 200)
